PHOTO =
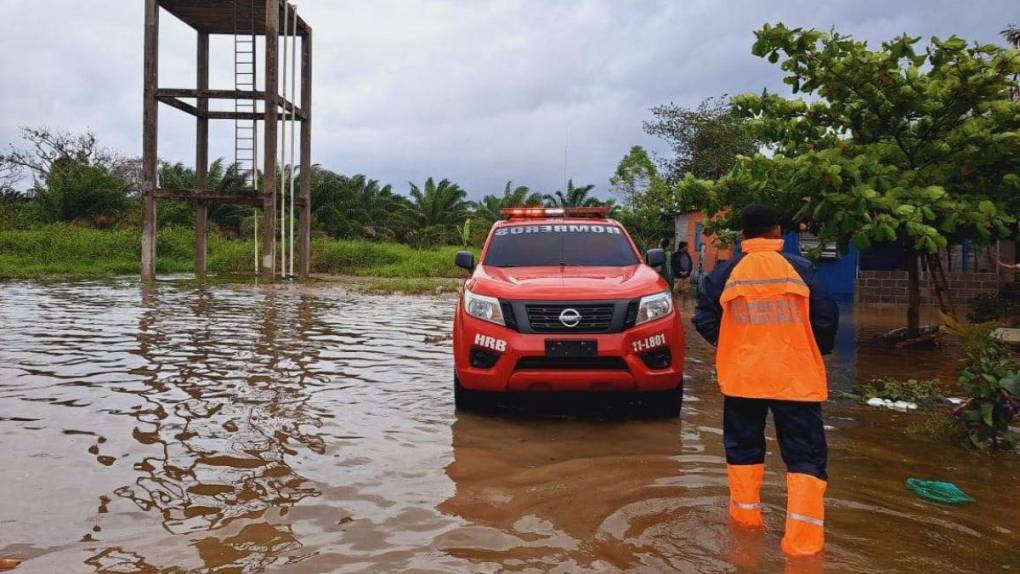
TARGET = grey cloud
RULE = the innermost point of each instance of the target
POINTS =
(479, 92)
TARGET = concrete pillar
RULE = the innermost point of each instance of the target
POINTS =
(202, 157)
(305, 216)
(272, 37)
(149, 139)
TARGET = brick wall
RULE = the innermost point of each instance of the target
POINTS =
(891, 286)
(687, 230)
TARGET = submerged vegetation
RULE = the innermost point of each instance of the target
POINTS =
(983, 417)
(920, 392)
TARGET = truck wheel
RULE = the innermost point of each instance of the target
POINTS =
(664, 404)
(466, 399)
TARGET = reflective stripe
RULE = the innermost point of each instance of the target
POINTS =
(747, 505)
(736, 282)
(802, 518)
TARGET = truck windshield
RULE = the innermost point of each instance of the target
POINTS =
(564, 244)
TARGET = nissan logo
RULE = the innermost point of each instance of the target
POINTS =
(570, 318)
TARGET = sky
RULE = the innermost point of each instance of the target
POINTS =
(476, 92)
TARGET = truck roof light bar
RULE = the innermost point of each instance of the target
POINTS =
(542, 212)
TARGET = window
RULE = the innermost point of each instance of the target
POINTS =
(548, 245)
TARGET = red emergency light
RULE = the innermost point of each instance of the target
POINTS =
(541, 212)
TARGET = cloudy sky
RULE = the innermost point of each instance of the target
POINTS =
(477, 92)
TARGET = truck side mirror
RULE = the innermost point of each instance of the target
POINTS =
(465, 260)
(655, 257)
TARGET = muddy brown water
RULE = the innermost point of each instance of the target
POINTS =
(291, 429)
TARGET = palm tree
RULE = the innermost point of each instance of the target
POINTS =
(221, 179)
(520, 196)
(1012, 36)
(574, 197)
(356, 207)
(488, 208)
(442, 204)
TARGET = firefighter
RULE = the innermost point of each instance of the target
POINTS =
(771, 322)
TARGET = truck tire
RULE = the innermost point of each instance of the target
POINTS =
(467, 400)
(663, 404)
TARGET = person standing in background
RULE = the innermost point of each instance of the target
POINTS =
(682, 265)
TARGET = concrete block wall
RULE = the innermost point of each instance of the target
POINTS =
(891, 286)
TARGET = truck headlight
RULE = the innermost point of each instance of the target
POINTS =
(484, 308)
(654, 306)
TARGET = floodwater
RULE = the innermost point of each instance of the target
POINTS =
(305, 429)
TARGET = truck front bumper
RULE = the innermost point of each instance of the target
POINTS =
(520, 362)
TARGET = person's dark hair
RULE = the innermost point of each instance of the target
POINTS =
(664, 244)
(681, 245)
(757, 219)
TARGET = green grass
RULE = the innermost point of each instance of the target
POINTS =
(69, 252)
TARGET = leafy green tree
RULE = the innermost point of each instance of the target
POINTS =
(646, 211)
(46, 151)
(705, 140)
(573, 197)
(437, 210)
(356, 207)
(635, 176)
(894, 145)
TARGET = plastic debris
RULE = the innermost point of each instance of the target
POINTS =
(938, 491)
(902, 406)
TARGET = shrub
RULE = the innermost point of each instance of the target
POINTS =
(998, 306)
(992, 382)
(83, 193)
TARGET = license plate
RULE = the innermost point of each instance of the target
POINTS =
(560, 348)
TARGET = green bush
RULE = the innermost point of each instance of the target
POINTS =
(998, 306)
(78, 192)
(991, 380)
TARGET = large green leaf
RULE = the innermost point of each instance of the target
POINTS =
(1010, 384)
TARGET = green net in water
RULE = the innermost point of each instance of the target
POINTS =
(938, 491)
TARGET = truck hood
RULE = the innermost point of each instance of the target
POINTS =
(566, 283)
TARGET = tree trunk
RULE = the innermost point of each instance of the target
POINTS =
(913, 296)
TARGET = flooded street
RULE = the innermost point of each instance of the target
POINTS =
(304, 429)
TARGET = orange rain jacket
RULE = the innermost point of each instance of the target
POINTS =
(771, 322)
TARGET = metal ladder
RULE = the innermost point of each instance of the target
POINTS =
(245, 130)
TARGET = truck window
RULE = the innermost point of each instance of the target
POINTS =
(548, 245)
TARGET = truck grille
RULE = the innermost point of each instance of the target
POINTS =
(545, 318)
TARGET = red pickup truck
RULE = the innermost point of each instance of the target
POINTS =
(561, 300)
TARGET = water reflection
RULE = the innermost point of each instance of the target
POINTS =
(222, 421)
